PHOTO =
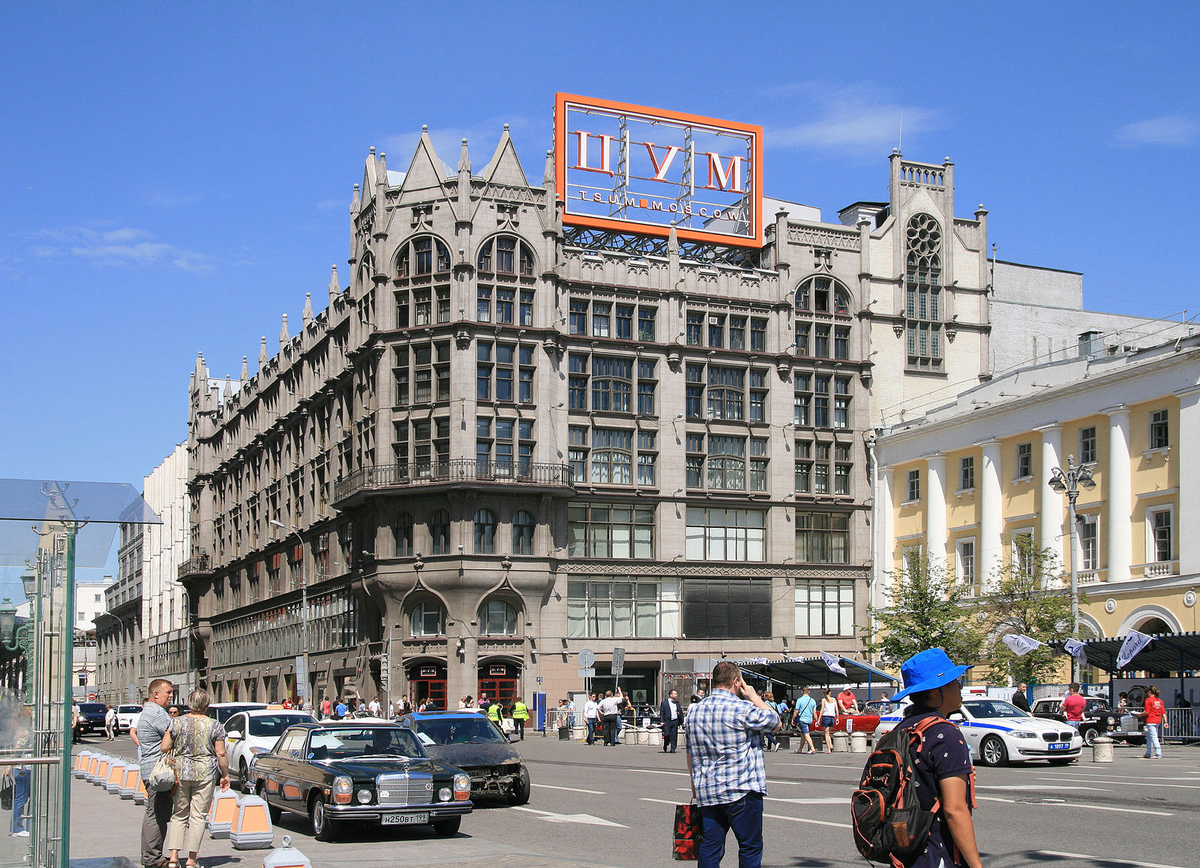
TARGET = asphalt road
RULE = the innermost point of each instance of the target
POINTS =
(614, 806)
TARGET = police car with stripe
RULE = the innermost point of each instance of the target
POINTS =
(999, 733)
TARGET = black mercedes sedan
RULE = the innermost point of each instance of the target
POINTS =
(336, 772)
(474, 744)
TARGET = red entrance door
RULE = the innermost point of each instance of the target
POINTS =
(427, 682)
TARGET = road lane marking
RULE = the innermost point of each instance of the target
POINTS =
(584, 819)
(1069, 805)
(659, 772)
(571, 790)
(822, 801)
(822, 766)
(1107, 860)
(1155, 784)
(1040, 787)
(772, 816)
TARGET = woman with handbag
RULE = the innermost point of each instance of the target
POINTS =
(20, 778)
(198, 742)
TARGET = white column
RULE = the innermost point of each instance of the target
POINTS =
(1050, 505)
(991, 515)
(885, 539)
(1118, 484)
(935, 509)
(1188, 458)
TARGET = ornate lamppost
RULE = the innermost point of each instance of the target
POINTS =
(1069, 482)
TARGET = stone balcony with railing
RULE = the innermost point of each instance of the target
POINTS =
(455, 473)
(200, 565)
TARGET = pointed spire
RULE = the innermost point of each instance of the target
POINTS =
(464, 162)
(228, 388)
(382, 177)
(335, 288)
(356, 202)
(308, 311)
(245, 370)
(263, 358)
(283, 333)
(673, 240)
(200, 374)
(548, 175)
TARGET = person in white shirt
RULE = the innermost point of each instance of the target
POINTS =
(374, 707)
(570, 712)
(610, 714)
(591, 716)
(110, 722)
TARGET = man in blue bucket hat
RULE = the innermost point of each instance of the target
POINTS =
(942, 766)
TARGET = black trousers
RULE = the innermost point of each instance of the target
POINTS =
(670, 735)
(610, 728)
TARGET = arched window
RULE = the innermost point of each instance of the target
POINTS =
(823, 308)
(439, 531)
(428, 619)
(923, 292)
(404, 535)
(485, 532)
(497, 618)
(422, 256)
(505, 290)
(522, 533)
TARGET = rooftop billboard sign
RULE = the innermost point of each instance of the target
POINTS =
(628, 168)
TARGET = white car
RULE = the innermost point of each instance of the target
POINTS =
(998, 732)
(127, 717)
(253, 732)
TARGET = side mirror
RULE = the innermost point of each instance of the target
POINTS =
(956, 715)
(233, 736)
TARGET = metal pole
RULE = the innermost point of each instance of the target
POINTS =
(68, 672)
(1072, 496)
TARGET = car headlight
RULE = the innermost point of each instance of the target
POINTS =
(445, 794)
(462, 787)
(343, 788)
(1018, 734)
(364, 796)
(259, 750)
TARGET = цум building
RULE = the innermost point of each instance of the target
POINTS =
(510, 439)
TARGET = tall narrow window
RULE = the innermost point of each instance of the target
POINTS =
(1087, 445)
(485, 532)
(522, 533)
(439, 532)
(923, 286)
(1160, 437)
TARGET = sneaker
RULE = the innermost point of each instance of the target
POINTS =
(24, 833)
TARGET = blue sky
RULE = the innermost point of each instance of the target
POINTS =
(177, 178)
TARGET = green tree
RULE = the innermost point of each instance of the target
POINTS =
(927, 609)
(1027, 598)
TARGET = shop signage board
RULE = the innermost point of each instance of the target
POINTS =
(629, 168)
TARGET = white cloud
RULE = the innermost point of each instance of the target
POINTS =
(125, 246)
(857, 119)
(1173, 131)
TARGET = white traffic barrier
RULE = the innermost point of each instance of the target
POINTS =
(221, 813)
(116, 776)
(286, 856)
(81, 763)
(251, 828)
(1102, 749)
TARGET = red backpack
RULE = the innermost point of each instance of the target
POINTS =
(889, 825)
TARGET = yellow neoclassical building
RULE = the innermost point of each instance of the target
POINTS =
(964, 481)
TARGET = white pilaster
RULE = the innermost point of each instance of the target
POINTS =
(935, 509)
(1187, 454)
(991, 514)
(885, 540)
(1118, 484)
(1050, 505)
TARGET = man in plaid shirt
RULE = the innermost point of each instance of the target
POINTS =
(725, 758)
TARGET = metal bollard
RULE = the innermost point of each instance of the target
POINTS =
(1102, 749)
(286, 856)
(841, 742)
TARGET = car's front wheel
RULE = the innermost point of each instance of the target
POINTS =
(446, 828)
(520, 788)
(992, 751)
(243, 776)
(324, 827)
(1089, 735)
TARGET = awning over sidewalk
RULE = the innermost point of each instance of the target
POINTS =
(1167, 652)
(797, 672)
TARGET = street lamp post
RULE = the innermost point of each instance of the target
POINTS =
(1069, 482)
(304, 692)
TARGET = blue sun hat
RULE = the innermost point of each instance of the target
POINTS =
(928, 670)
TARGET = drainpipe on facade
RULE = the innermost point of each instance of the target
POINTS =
(874, 581)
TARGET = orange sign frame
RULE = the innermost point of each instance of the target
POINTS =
(728, 176)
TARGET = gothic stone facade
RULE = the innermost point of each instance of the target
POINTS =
(507, 440)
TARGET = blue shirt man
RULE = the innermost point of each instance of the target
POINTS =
(806, 709)
(725, 759)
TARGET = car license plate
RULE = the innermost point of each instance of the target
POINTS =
(404, 819)
(1062, 745)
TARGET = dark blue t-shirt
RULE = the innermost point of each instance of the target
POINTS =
(944, 755)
